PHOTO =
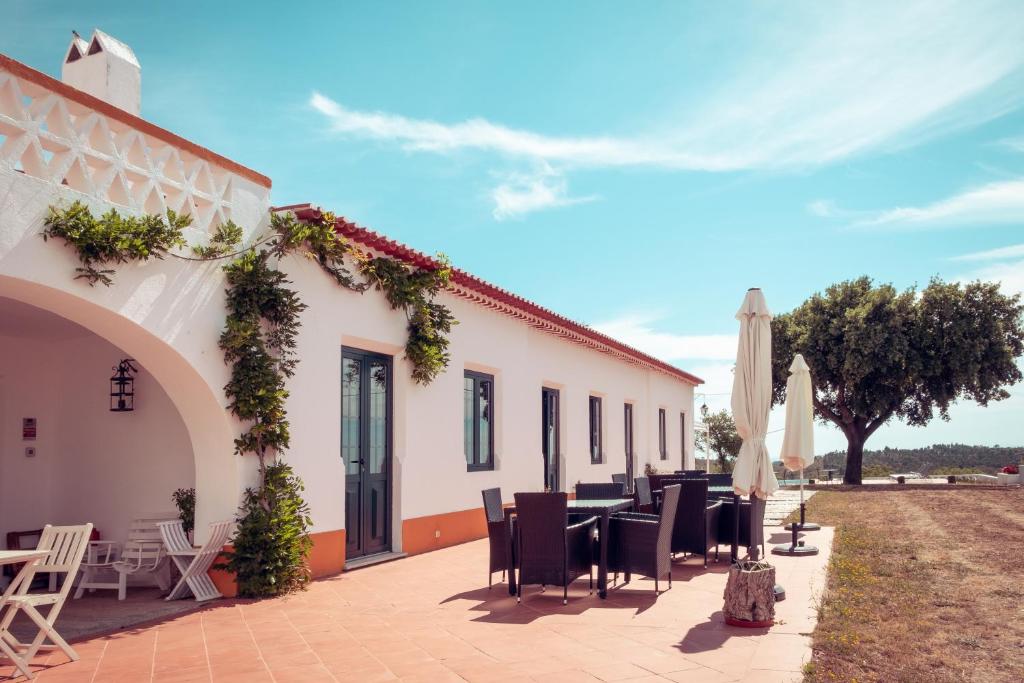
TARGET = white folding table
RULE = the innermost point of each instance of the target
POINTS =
(9, 643)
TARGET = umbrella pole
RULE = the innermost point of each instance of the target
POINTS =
(796, 546)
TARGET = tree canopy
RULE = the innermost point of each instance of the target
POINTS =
(877, 354)
(724, 440)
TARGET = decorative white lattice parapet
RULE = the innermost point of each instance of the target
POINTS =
(56, 134)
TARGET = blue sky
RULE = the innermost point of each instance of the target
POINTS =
(636, 171)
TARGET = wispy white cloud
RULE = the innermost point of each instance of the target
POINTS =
(999, 202)
(1010, 275)
(1016, 144)
(823, 208)
(522, 193)
(638, 330)
(837, 82)
(1000, 254)
(480, 134)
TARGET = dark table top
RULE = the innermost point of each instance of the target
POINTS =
(602, 503)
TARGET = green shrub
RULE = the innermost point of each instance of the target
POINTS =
(185, 501)
(272, 541)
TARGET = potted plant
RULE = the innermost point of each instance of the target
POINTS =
(1009, 475)
(185, 501)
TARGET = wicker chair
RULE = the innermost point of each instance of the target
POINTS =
(621, 479)
(725, 524)
(643, 501)
(497, 533)
(601, 491)
(719, 479)
(691, 473)
(643, 543)
(550, 551)
(697, 520)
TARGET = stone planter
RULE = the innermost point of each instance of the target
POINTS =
(750, 595)
(1007, 479)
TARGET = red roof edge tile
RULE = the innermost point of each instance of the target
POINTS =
(64, 90)
(496, 298)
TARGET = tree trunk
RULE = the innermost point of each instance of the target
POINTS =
(854, 459)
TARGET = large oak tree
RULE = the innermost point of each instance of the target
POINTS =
(877, 354)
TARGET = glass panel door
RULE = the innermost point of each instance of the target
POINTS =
(550, 437)
(366, 448)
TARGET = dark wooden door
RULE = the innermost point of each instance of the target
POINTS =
(550, 437)
(366, 451)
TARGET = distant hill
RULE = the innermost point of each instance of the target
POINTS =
(945, 458)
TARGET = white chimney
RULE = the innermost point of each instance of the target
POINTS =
(105, 68)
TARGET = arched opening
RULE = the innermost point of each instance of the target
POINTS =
(76, 461)
(56, 356)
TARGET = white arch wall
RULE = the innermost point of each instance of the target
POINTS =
(166, 314)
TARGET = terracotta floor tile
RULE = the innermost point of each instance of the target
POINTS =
(431, 618)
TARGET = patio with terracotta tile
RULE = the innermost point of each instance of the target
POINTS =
(432, 618)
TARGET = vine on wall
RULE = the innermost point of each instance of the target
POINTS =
(113, 238)
(258, 341)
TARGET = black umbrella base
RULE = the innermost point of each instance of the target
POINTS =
(780, 593)
(795, 550)
(807, 526)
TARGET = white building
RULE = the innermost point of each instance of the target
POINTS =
(417, 490)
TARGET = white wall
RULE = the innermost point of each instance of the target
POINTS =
(430, 467)
(91, 465)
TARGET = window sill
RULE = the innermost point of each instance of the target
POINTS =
(480, 468)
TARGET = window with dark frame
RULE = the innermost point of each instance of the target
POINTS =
(627, 411)
(478, 420)
(662, 440)
(682, 437)
(596, 455)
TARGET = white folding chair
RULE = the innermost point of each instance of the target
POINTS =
(108, 564)
(66, 546)
(194, 563)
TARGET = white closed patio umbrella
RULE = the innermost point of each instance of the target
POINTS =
(798, 444)
(751, 403)
(751, 591)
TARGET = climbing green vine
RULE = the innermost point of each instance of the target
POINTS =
(113, 238)
(259, 341)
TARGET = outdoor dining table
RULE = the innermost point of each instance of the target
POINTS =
(29, 558)
(602, 509)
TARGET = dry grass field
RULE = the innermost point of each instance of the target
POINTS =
(924, 585)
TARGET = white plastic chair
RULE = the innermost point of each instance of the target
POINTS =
(194, 563)
(109, 564)
(66, 546)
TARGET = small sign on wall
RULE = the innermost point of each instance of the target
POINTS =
(28, 429)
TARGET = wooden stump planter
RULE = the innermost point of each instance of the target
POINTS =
(750, 595)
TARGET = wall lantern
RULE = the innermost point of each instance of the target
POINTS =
(704, 411)
(122, 387)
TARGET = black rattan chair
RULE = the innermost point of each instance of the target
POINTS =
(621, 479)
(643, 543)
(644, 502)
(497, 533)
(600, 491)
(725, 524)
(550, 551)
(719, 479)
(697, 520)
(691, 473)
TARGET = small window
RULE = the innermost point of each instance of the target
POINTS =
(596, 454)
(478, 420)
(662, 440)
